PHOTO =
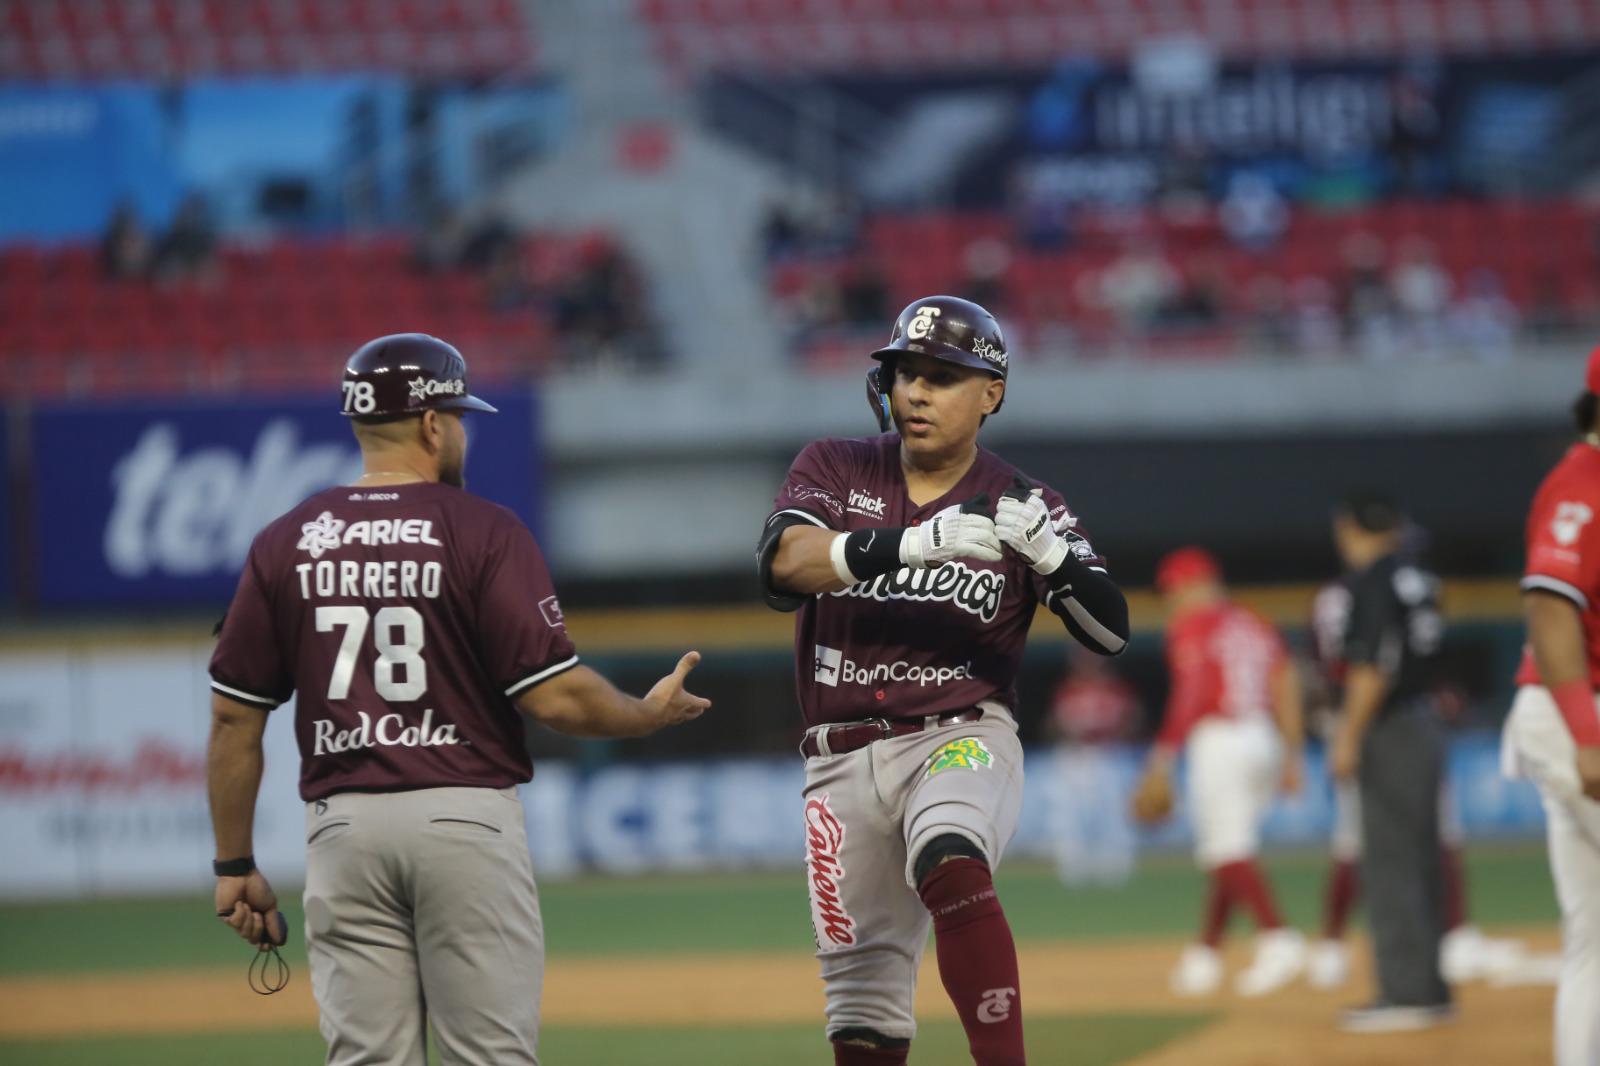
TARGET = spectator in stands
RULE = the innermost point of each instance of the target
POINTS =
(1366, 300)
(1253, 214)
(1315, 325)
(1483, 322)
(1199, 302)
(126, 252)
(1268, 322)
(507, 287)
(864, 294)
(188, 250)
(985, 263)
(1185, 195)
(1137, 287)
(601, 317)
(1421, 291)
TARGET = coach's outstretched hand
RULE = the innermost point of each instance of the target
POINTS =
(250, 908)
(670, 702)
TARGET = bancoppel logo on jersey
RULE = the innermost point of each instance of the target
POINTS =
(389, 731)
(871, 506)
(327, 533)
(831, 668)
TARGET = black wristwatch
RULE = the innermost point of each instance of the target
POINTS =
(233, 867)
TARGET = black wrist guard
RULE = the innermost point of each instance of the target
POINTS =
(233, 867)
(871, 553)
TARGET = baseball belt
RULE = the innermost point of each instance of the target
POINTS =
(841, 738)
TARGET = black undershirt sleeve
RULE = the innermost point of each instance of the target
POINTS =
(1091, 606)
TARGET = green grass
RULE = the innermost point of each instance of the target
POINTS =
(749, 912)
(1066, 1040)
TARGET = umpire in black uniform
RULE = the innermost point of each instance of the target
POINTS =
(1391, 740)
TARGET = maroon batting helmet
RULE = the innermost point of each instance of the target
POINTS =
(407, 374)
(944, 327)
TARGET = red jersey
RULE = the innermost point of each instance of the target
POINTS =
(1563, 541)
(1095, 710)
(404, 618)
(1221, 660)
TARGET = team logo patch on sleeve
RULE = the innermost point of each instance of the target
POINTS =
(968, 753)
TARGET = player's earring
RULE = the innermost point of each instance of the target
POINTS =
(878, 399)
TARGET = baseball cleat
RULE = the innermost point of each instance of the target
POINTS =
(1328, 964)
(1280, 958)
(1198, 973)
(1465, 954)
(1383, 1017)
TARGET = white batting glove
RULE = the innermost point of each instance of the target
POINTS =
(950, 534)
(1024, 526)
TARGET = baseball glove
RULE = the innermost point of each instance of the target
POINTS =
(1152, 800)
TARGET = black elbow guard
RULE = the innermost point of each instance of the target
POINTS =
(1091, 606)
(766, 552)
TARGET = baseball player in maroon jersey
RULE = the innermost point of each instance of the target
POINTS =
(1553, 732)
(1235, 708)
(411, 621)
(917, 560)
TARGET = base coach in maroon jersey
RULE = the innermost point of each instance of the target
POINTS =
(412, 622)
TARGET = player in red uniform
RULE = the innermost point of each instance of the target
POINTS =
(411, 622)
(1553, 732)
(917, 561)
(1235, 708)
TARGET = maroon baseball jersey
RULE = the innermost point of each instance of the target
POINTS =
(404, 618)
(913, 642)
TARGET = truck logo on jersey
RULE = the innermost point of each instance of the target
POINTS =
(1569, 521)
(833, 926)
(975, 591)
(389, 731)
(327, 533)
(872, 506)
(831, 668)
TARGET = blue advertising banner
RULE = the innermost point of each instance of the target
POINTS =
(156, 504)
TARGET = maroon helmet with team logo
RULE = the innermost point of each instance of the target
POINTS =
(944, 327)
(406, 374)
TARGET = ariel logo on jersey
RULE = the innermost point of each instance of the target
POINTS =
(321, 535)
(389, 731)
(974, 591)
(328, 533)
(968, 753)
(422, 388)
(1569, 521)
(825, 874)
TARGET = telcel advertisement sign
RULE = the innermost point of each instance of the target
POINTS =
(158, 504)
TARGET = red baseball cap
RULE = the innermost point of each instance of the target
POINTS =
(1591, 375)
(1184, 566)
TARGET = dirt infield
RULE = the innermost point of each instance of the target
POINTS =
(1498, 1025)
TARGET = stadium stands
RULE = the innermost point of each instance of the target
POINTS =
(262, 318)
(173, 39)
(693, 36)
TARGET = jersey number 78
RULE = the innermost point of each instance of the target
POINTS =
(406, 654)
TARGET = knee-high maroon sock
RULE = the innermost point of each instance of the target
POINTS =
(1249, 887)
(845, 1054)
(1219, 903)
(977, 959)
(1344, 886)
(1455, 887)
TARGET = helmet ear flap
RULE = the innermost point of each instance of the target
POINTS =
(878, 396)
